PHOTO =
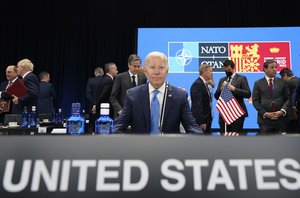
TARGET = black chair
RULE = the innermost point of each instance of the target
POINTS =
(45, 116)
(12, 118)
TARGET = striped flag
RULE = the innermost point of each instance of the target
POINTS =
(228, 106)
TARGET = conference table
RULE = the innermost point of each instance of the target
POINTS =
(43, 129)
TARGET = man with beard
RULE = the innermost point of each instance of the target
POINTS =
(239, 87)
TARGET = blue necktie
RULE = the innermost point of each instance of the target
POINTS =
(154, 114)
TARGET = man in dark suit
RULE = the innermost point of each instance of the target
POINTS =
(124, 81)
(238, 84)
(47, 95)
(11, 76)
(91, 87)
(173, 107)
(31, 81)
(295, 103)
(292, 81)
(102, 93)
(271, 100)
(90, 91)
(202, 99)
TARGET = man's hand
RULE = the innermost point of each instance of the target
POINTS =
(203, 126)
(94, 110)
(231, 87)
(15, 99)
(279, 114)
(119, 113)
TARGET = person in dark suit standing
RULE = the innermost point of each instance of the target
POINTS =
(47, 95)
(90, 91)
(25, 70)
(11, 76)
(271, 98)
(201, 97)
(292, 81)
(295, 103)
(126, 80)
(171, 104)
(102, 93)
(238, 84)
(91, 87)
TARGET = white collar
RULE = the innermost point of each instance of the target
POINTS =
(203, 80)
(161, 89)
(24, 75)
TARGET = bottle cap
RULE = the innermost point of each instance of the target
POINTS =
(104, 105)
(75, 108)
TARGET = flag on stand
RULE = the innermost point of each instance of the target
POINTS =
(228, 106)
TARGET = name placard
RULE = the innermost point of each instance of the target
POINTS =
(149, 166)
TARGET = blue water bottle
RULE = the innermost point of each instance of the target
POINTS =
(75, 123)
(59, 117)
(32, 118)
(104, 124)
(24, 121)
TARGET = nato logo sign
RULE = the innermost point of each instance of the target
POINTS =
(185, 57)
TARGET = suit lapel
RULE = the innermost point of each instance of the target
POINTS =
(145, 105)
(128, 80)
(234, 80)
(204, 87)
(168, 105)
(275, 85)
(139, 79)
(266, 84)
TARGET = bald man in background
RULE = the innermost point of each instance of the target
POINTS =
(11, 76)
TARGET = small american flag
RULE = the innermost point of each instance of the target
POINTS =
(228, 106)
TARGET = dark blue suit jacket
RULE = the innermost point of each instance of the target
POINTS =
(6, 96)
(102, 94)
(31, 81)
(295, 95)
(201, 106)
(46, 96)
(136, 112)
(296, 99)
(91, 88)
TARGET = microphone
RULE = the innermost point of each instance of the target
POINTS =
(162, 113)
